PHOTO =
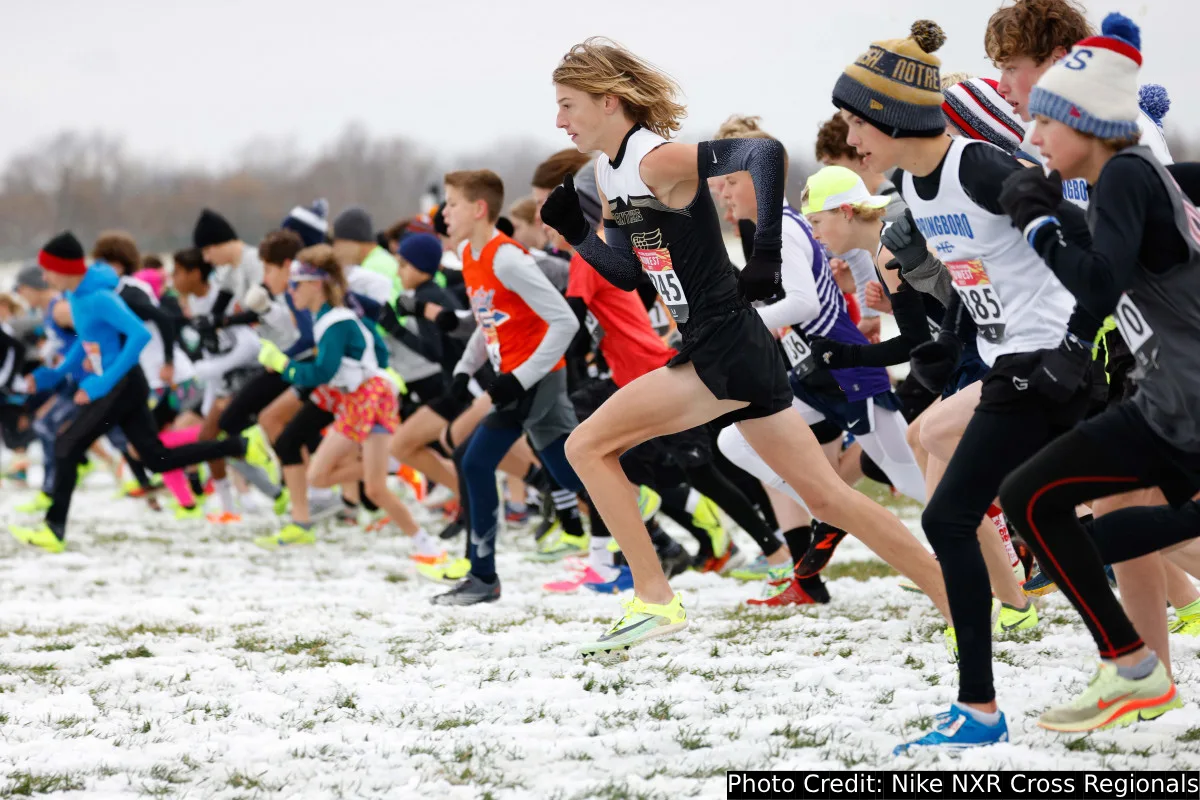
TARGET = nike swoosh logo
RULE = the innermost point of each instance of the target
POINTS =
(1103, 704)
(852, 423)
(1012, 627)
(714, 155)
(608, 636)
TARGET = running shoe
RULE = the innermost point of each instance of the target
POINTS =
(447, 573)
(950, 639)
(1012, 619)
(638, 622)
(957, 730)
(1112, 701)
(378, 525)
(40, 503)
(452, 529)
(546, 528)
(183, 514)
(469, 591)
(825, 540)
(1187, 620)
(674, 560)
(515, 516)
(1039, 583)
(41, 536)
(649, 502)
(415, 481)
(562, 547)
(135, 490)
(18, 476)
(581, 576)
(777, 581)
(450, 509)
(756, 570)
(716, 563)
(346, 516)
(85, 469)
(224, 518)
(707, 518)
(291, 535)
(622, 582)
(258, 453)
(793, 592)
(283, 502)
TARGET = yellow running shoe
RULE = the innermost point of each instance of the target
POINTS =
(448, 573)
(195, 512)
(283, 502)
(41, 536)
(292, 534)
(1112, 701)
(258, 454)
(564, 546)
(40, 503)
(649, 502)
(638, 622)
(1015, 619)
(707, 517)
(85, 469)
(1187, 620)
(950, 639)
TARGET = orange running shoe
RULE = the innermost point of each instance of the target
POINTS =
(224, 518)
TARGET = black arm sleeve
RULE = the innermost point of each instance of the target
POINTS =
(224, 298)
(146, 311)
(240, 318)
(763, 159)
(613, 258)
(428, 347)
(909, 310)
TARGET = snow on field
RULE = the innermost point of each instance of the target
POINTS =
(167, 659)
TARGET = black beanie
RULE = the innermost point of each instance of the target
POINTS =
(63, 254)
(212, 229)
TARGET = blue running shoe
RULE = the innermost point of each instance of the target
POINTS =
(1039, 584)
(621, 583)
(957, 730)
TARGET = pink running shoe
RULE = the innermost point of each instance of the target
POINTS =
(582, 575)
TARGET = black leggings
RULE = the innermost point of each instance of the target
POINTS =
(993, 445)
(125, 407)
(303, 431)
(1111, 454)
(245, 405)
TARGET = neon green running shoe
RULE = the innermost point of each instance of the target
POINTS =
(40, 503)
(638, 622)
(85, 469)
(564, 546)
(756, 570)
(258, 454)
(283, 502)
(707, 517)
(291, 534)
(649, 502)
(950, 639)
(1113, 701)
(449, 574)
(1187, 620)
(1012, 619)
(195, 512)
(41, 536)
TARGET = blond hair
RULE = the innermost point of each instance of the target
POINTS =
(479, 184)
(321, 257)
(600, 66)
(735, 127)
(955, 78)
(524, 210)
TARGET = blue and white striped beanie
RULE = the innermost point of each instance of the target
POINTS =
(1094, 88)
(310, 224)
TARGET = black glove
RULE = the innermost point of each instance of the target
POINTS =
(833, 355)
(506, 389)
(561, 211)
(409, 306)
(933, 362)
(208, 333)
(389, 319)
(762, 275)
(1029, 193)
(459, 388)
(1063, 370)
(906, 242)
(446, 320)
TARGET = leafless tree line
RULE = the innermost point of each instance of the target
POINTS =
(89, 182)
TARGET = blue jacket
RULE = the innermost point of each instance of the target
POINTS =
(110, 336)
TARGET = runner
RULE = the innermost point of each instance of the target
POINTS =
(729, 366)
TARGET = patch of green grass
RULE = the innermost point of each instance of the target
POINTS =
(53, 646)
(152, 629)
(1192, 735)
(33, 670)
(604, 686)
(26, 784)
(67, 722)
(239, 779)
(796, 737)
(858, 570)
(141, 651)
(252, 644)
(933, 680)
(450, 723)
(691, 739)
(305, 646)
(1080, 745)
(661, 710)
(912, 661)
(395, 577)
(616, 791)
(846, 652)
(346, 700)
(167, 774)
(886, 698)
(1005, 657)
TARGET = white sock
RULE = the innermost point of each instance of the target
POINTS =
(426, 544)
(320, 495)
(600, 558)
(693, 501)
(779, 535)
(225, 494)
(986, 717)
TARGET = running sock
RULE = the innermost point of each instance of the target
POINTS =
(986, 717)
(426, 543)
(225, 494)
(517, 507)
(798, 541)
(366, 501)
(305, 525)
(566, 508)
(675, 497)
(1140, 670)
(256, 476)
(692, 502)
(998, 519)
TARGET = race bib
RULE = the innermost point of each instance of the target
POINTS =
(1138, 334)
(91, 354)
(656, 261)
(798, 353)
(980, 298)
(658, 318)
(594, 329)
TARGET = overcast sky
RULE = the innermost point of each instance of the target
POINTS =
(194, 81)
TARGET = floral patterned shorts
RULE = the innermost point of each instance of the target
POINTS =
(372, 408)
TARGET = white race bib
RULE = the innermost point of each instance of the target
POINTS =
(1138, 334)
(656, 261)
(799, 354)
(979, 296)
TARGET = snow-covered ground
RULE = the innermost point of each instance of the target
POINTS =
(167, 659)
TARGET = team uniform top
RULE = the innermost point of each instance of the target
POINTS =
(1017, 304)
(682, 251)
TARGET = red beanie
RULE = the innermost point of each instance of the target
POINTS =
(63, 254)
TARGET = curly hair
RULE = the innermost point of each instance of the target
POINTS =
(1034, 28)
(600, 66)
(831, 140)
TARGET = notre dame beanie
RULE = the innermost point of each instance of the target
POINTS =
(63, 254)
(1094, 88)
(212, 229)
(896, 84)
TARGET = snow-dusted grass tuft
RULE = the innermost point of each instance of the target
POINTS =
(166, 659)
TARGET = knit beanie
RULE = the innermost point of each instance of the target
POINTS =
(423, 251)
(975, 107)
(1094, 89)
(310, 224)
(212, 229)
(354, 225)
(896, 84)
(63, 254)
